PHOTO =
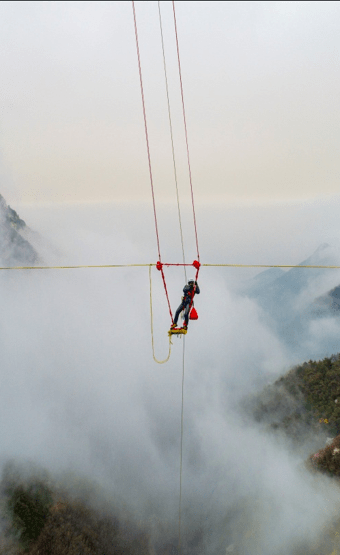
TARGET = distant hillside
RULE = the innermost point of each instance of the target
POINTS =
(303, 405)
(274, 283)
(291, 300)
(328, 303)
(261, 281)
(14, 248)
(41, 517)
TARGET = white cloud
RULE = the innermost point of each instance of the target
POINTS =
(80, 390)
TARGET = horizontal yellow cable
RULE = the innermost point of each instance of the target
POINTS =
(269, 266)
(148, 265)
(71, 267)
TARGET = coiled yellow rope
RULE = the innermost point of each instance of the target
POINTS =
(151, 316)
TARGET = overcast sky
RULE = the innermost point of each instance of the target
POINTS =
(261, 85)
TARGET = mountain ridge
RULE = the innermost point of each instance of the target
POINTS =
(15, 249)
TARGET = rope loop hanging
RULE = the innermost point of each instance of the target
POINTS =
(151, 318)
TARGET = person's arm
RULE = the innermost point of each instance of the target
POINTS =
(197, 290)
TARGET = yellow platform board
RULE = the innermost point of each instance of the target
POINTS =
(176, 331)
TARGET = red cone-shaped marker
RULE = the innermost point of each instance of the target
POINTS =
(193, 314)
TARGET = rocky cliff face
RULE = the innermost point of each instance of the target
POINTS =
(14, 248)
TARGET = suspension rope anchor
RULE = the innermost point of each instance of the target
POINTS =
(159, 265)
(196, 264)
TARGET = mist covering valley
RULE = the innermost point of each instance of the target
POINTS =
(82, 399)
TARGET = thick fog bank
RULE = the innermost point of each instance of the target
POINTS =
(81, 391)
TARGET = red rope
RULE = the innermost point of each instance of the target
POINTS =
(195, 264)
(167, 296)
(146, 129)
(159, 264)
(166, 264)
(185, 128)
(193, 293)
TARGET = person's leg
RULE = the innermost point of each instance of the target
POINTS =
(186, 315)
(178, 311)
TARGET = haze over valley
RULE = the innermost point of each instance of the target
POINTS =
(81, 393)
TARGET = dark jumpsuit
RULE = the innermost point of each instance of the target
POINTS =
(185, 304)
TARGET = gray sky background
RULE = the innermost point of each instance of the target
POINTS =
(261, 86)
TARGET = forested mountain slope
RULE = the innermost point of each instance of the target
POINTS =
(15, 249)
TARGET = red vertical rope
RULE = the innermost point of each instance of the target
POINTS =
(166, 294)
(185, 128)
(146, 129)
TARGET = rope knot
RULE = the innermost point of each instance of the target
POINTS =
(196, 264)
(159, 265)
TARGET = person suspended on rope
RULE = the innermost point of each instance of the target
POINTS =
(189, 291)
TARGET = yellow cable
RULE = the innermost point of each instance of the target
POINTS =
(71, 267)
(269, 266)
(149, 265)
(151, 315)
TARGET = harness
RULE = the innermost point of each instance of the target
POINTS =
(188, 297)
